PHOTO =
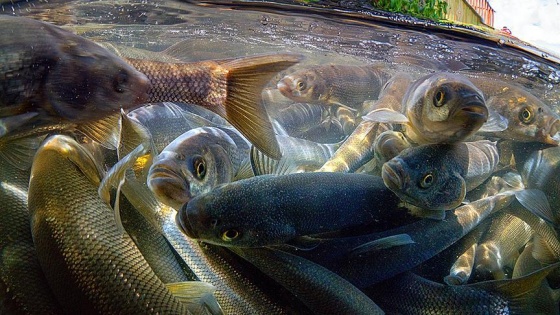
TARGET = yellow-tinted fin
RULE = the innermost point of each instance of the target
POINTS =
(526, 263)
(245, 171)
(20, 152)
(131, 135)
(243, 108)
(104, 131)
(197, 295)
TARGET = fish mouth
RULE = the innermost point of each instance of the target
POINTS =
(392, 174)
(182, 221)
(169, 187)
(473, 107)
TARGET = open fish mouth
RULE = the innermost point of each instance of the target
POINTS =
(474, 106)
(182, 221)
(392, 176)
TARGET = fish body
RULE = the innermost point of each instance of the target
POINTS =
(342, 85)
(437, 176)
(526, 295)
(195, 163)
(540, 171)
(438, 108)
(321, 290)
(500, 245)
(267, 210)
(299, 155)
(26, 287)
(232, 89)
(91, 266)
(298, 118)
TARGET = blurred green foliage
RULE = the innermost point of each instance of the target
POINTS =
(428, 9)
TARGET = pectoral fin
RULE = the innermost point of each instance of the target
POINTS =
(196, 295)
(15, 122)
(383, 243)
(104, 131)
(20, 152)
(495, 122)
(385, 115)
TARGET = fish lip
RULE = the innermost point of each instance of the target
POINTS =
(182, 221)
(392, 175)
(553, 135)
(473, 106)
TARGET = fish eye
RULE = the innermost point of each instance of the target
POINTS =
(526, 115)
(301, 85)
(199, 167)
(439, 98)
(120, 80)
(427, 180)
(230, 235)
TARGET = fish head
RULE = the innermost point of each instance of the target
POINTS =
(389, 144)
(424, 179)
(88, 82)
(224, 218)
(529, 119)
(302, 86)
(191, 165)
(446, 108)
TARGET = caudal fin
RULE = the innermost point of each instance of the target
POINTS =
(243, 108)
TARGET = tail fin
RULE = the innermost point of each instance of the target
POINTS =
(246, 79)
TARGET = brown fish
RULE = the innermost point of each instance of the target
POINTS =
(52, 79)
(232, 89)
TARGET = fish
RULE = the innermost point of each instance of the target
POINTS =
(438, 108)
(429, 238)
(299, 118)
(323, 291)
(389, 144)
(528, 118)
(26, 287)
(462, 268)
(239, 289)
(359, 146)
(298, 155)
(53, 80)
(340, 85)
(540, 171)
(435, 177)
(194, 163)
(90, 265)
(273, 210)
(230, 88)
(417, 295)
(500, 245)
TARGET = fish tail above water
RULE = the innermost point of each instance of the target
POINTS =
(231, 89)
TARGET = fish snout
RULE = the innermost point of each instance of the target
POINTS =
(142, 88)
(393, 175)
(473, 105)
(553, 136)
(168, 186)
(182, 221)
(284, 87)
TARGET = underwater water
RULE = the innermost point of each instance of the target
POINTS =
(463, 221)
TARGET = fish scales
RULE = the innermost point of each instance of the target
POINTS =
(202, 83)
(27, 290)
(91, 266)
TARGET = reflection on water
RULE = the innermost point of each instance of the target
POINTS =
(391, 52)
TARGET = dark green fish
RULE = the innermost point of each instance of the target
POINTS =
(195, 163)
(52, 79)
(91, 266)
(268, 210)
(438, 108)
(417, 295)
(341, 85)
(26, 287)
(323, 291)
(436, 177)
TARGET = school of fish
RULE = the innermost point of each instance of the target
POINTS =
(133, 182)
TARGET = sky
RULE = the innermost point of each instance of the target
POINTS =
(534, 21)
